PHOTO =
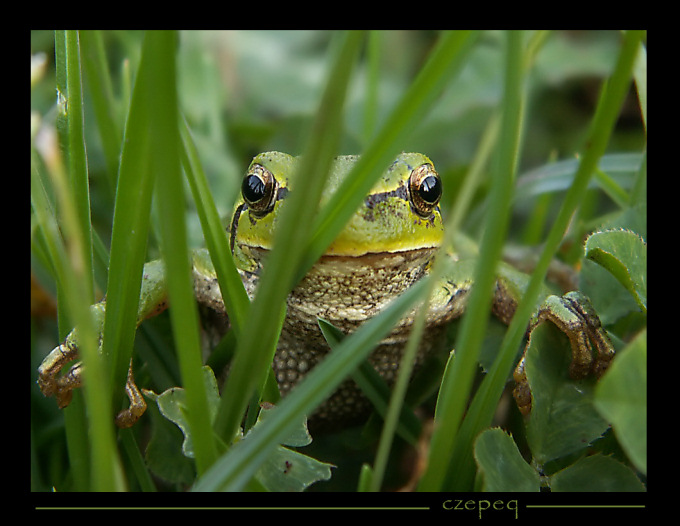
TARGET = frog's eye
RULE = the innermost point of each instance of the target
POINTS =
(259, 189)
(425, 189)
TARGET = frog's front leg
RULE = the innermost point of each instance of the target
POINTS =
(62, 386)
(574, 315)
(153, 300)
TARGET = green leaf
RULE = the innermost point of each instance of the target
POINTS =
(287, 469)
(621, 397)
(162, 454)
(596, 473)
(283, 470)
(611, 300)
(624, 255)
(297, 437)
(502, 465)
(563, 419)
(173, 406)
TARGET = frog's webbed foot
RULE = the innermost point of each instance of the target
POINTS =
(574, 315)
(62, 386)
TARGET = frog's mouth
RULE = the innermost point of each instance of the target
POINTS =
(375, 270)
(378, 259)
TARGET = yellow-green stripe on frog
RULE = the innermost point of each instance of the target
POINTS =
(386, 246)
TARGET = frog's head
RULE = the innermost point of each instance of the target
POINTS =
(400, 213)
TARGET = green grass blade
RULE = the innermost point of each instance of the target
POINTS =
(131, 220)
(445, 61)
(164, 153)
(399, 391)
(101, 90)
(256, 347)
(640, 73)
(103, 469)
(71, 129)
(374, 51)
(136, 460)
(456, 386)
(235, 298)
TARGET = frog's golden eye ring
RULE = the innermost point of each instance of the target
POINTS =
(425, 189)
(259, 190)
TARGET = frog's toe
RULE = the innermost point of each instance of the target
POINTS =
(522, 395)
(63, 397)
(128, 417)
(594, 335)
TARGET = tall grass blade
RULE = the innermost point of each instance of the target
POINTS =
(258, 341)
(101, 91)
(131, 220)
(236, 300)
(456, 386)
(164, 156)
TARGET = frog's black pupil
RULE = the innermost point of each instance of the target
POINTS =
(253, 188)
(430, 189)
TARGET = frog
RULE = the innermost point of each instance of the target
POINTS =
(387, 246)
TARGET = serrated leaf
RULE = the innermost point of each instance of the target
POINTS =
(624, 254)
(298, 437)
(596, 473)
(172, 405)
(162, 453)
(611, 300)
(284, 470)
(288, 470)
(621, 397)
(502, 465)
(563, 418)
